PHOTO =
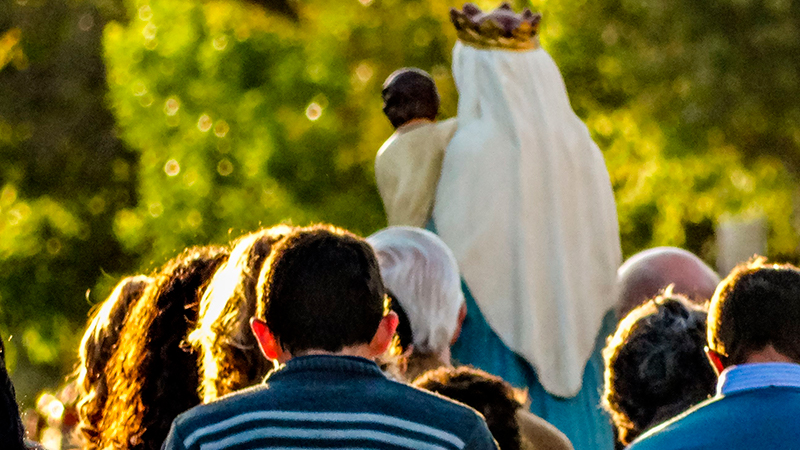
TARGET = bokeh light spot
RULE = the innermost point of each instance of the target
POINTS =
(194, 218)
(171, 106)
(221, 129)
(149, 31)
(225, 167)
(172, 168)
(155, 209)
(314, 111)
(220, 42)
(53, 247)
(145, 13)
(365, 2)
(86, 22)
(364, 72)
(204, 123)
(139, 89)
(96, 205)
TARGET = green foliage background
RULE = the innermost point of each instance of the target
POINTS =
(130, 129)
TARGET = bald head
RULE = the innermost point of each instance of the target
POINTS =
(649, 271)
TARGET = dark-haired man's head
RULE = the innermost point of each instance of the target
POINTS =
(487, 394)
(409, 94)
(321, 292)
(648, 272)
(655, 367)
(754, 315)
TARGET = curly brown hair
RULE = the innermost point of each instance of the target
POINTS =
(490, 395)
(152, 375)
(655, 365)
(230, 358)
(98, 343)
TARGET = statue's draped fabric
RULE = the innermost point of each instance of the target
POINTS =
(525, 203)
(407, 169)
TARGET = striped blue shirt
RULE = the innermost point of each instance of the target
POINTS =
(330, 402)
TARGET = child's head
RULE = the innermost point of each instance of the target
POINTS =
(409, 93)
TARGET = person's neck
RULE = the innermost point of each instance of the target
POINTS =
(360, 350)
(767, 355)
(413, 123)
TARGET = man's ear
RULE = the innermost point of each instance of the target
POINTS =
(266, 341)
(462, 314)
(716, 360)
(384, 334)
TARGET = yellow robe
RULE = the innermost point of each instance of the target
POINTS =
(407, 170)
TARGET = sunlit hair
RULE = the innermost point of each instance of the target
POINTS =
(230, 357)
(655, 364)
(422, 274)
(491, 396)
(756, 305)
(152, 374)
(11, 431)
(97, 345)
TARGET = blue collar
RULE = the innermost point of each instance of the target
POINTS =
(327, 364)
(746, 377)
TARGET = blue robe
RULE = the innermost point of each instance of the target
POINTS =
(581, 418)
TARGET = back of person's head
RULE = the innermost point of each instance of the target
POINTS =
(321, 289)
(757, 305)
(409, 94)
(487, 394)
(422, 274)
(97, 346)
(12, 433)
(230, 358)
(645, 274)
(152, 374)
(655, 365)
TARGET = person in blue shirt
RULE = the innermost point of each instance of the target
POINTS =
(754, 344)
(322, 315)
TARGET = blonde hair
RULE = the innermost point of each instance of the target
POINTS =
(229, 355)
(97, 346)
(151, 375)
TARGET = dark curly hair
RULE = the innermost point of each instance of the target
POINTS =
(97, 346)
(230, 358)
(655, 365)
(152, 375)
(756, 305)
(12, 434)
(487, 394)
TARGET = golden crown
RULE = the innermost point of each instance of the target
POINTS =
(499, 29)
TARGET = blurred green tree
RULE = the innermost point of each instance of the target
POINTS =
(63, 176)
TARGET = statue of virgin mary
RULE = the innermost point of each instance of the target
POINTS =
(525, 203)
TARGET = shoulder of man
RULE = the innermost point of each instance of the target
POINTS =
(696, 421)
(448, 415)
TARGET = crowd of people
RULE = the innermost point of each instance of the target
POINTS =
(493, 312)
(317, 338)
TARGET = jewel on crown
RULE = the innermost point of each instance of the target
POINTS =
(500, 29)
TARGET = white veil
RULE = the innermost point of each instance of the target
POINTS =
(526, 205)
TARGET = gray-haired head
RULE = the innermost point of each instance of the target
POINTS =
(422, 273)
(644, 274)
